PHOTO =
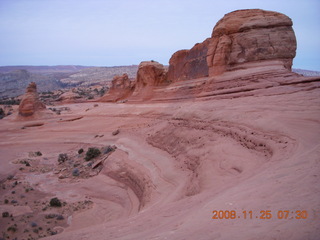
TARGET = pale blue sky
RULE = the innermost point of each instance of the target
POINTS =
(125, 32)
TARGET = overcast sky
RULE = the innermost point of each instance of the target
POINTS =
(125, 32)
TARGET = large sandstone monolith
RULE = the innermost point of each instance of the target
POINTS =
(121, 88)
(243, 39)
(251, 37)
(30, 102)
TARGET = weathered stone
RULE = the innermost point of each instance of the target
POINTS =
(30, 102)
(251, 36)
(240, 40)
(189, 64)
(121, 88)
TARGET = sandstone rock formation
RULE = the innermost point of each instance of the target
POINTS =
(150, 74)
(251, 36)
(69, 97)
(189, 64)
(121, 89)
(30, 102)
(242, 39)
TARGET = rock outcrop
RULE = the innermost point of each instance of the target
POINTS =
(242, 39)
(150, 74)
(251, 36)
(121, 88)
(189, 64)
(30, 102)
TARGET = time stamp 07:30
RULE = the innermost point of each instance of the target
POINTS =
(263, 214)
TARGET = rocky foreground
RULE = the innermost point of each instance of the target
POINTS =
(229, 154)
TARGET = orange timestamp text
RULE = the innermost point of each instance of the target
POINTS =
(263, 214)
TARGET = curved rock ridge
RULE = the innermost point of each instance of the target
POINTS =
(242, 39)
(30, 102)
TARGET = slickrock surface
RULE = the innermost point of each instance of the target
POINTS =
(30, 102)
(229, 156)
(176, 162)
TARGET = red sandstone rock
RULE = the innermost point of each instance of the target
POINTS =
(150, 74)
(121, 89)
(30, 102)
(189, 64)
(240, 40)
(251, 36)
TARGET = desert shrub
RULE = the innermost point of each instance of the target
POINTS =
(92, 153)
(80, 151)
(55, 202)
(75, 172)
(108, 149)
(38, 153)
(60, 217)
(12, 228)
(62, 157)
(50, 216)
(33, 224)
(5, 214)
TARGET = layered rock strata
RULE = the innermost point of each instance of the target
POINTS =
(242, 39)
(30, 102)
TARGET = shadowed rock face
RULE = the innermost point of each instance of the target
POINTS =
(240, 40)
(30, 102)
(189, 64)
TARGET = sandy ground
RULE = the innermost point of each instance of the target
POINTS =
(176, 163)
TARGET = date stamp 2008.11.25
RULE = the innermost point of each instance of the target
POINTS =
(262, 214)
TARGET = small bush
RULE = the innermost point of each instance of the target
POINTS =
(80, 151)
(38, 153)
(60, 217)
(5, 214)
(75, 172)
(108, 149)
(55, 202)
(50, 216)
(33, 224)
(92, 153)
(62, 157)
(12, 229)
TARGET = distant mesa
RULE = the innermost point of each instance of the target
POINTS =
(30, 102)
